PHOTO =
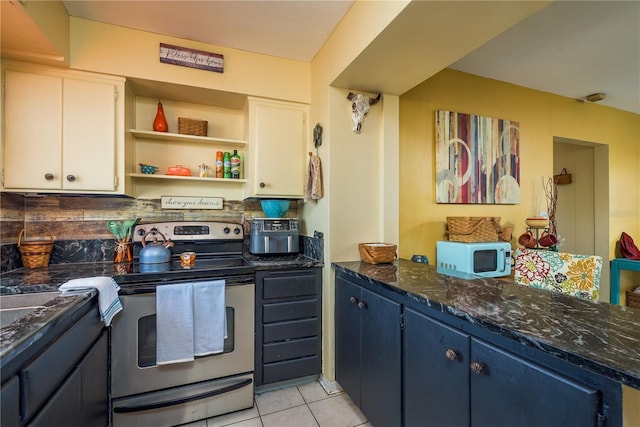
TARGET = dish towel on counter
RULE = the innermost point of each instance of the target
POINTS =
(190, 321)
(174, 323)
(313, 186)
(108, 300)
(209, 319)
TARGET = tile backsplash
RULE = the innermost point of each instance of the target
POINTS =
(78, 223)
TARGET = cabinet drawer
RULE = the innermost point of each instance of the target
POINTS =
(289, 286)
(291, 369)
(290, 330)
(40, 378)
(289, 310)
(280, 351)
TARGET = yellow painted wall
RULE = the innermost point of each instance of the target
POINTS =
(339, 214)
(541, 116)
(631, 407)
(110, 49)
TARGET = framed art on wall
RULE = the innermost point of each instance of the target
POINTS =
(477, 159)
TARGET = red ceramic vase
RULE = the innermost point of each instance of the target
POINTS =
(160, 122)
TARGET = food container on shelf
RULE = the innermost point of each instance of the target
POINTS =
(178, 170)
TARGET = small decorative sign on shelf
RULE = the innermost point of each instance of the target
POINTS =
(193, 58)
(180, 202)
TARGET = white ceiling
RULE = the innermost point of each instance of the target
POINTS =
(570, 48)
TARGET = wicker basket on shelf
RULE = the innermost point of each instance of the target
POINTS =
(377, 253)
(37, 252)
(633, 299)
(195, 127)
(472, 229)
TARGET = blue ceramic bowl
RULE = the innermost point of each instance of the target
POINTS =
(275, 208)
(148, 169)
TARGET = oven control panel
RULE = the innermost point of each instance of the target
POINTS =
(189, 231)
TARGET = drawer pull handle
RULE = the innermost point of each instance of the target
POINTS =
(48, 176)
(451, 354)
(362, 305)
(353, 300)
(477, 367)
(71, 178)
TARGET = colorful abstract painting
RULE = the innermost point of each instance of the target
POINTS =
(477, 159)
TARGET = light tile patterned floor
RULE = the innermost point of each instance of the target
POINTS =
(305, 405)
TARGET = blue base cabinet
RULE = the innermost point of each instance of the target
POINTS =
(406, 364)
(368, 352)
(288, 324)
(452, 379)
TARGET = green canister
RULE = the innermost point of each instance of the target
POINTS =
(226, 165)
(235, 165)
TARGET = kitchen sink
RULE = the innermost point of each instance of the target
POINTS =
(13, 307)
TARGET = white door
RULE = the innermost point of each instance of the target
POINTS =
(278, 143)
(33, 131)
(89, 135)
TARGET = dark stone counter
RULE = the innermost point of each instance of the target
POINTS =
(25, 337)
(600, 337)
(277, 262)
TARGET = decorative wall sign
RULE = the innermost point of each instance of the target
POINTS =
(191, 58)
(180, 202)
(477, 159)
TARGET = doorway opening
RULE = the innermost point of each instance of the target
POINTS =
(582, 213)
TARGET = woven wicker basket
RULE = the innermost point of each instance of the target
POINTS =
(192, 126)
(35, 253)
(472, 229)
(633, 299)
(377, 253)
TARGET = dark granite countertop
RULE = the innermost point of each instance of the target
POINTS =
(597, 336)
(23, 280)
(26, 336)
(276, 262)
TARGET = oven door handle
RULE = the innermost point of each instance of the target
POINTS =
(171, 402)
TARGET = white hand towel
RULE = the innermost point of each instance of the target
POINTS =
(313, 186)
(174, 323)
(209, 317)
(108, 300)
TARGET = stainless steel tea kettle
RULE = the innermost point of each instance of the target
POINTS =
(155, 252)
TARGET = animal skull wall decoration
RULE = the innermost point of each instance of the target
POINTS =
(360, 107)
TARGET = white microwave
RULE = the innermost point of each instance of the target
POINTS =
(472, 260)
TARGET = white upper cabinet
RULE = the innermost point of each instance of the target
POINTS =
(63, 133)
(277, 138)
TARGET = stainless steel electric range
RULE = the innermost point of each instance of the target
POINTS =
(145, 393)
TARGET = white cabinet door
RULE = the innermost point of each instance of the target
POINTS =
(60, 133)
(33, 131)
(88, 161)
(278, 133)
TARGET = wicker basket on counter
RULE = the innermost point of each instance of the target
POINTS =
(472, 229)
(633, 299)
(195, 127)
(35, 253)
(377, 253)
